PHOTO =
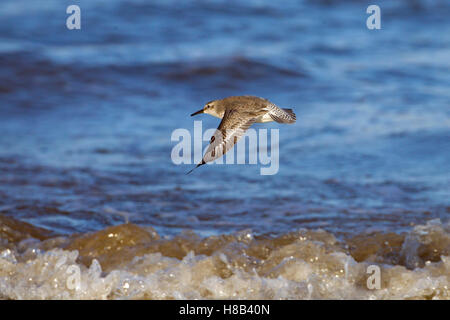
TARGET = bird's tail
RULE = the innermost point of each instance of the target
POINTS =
(282, 115)
(291, 114)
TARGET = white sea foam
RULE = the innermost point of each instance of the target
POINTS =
(303, 269)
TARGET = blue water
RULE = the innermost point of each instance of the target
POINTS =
(86, 116)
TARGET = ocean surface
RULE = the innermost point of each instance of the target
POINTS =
(93, 207)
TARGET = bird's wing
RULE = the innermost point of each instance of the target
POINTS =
(232, 127)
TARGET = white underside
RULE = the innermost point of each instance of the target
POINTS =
(265, 118)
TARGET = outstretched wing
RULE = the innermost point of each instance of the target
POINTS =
(232, 127)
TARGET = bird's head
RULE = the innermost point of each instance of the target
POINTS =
(213, 108)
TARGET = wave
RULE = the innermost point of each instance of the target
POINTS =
(133, 262)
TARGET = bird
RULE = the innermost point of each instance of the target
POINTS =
(238, 113)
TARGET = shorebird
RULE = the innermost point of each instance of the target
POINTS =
(238, 113)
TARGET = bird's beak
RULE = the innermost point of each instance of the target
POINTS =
(198, 112)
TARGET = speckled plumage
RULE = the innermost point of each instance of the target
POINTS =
(238, 113)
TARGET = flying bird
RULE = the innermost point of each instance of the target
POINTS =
(238, 113)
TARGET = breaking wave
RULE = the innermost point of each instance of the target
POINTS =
(132, 262)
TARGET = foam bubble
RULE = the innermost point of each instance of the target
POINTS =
(135, 263)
